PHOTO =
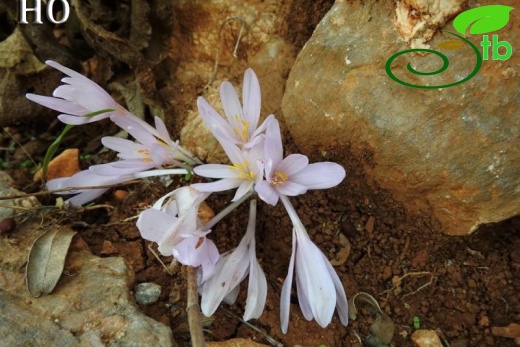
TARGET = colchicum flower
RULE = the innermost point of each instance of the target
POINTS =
(78, 97)
(319, 288)
(151, 150)
(292, 175)
(174, 227)
(230, 271)
(85, 178)
(244, 173)
(241, 125)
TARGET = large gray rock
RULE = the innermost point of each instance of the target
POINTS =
(454, 151)
(91, 305)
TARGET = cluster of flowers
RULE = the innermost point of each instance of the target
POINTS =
(258, 168)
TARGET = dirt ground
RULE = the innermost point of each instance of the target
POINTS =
(461, 287)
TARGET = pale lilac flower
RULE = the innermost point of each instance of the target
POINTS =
(241, 126)
(318, 286)
(173, 224)
(231, 269)
(243, 174)
(85, 179)
(152, 149)
(77, 97)
(292, 175)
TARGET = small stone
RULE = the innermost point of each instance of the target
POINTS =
(484, 321)
(147, 293)
(426, 338)
(108, 248)
(120, 195)
(64, 165)
(205, 213)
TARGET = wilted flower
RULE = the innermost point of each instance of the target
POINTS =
(173, 226)
(231, 269)
(319, 288)
(85, 178)
(78, 97)
(241, 125)
(149, 151)
(292, 175)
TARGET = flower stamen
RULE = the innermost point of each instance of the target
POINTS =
(279, 178)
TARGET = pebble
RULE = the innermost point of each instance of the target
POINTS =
(147, 293)
(426, 338)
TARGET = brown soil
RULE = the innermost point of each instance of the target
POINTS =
(461, 287)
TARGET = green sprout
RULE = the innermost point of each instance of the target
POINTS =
(54, 146)
(416, 322)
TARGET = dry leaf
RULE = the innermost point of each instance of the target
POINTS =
(47, 259)
(451, 45)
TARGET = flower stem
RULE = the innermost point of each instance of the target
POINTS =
(193, 310)
(226, 211)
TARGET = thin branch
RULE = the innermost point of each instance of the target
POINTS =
(193, 310)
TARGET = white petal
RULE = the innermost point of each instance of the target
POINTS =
(59, 105)
(291, 189)
(215, 171)
(273, 150)
(234, 268)
(341, 297)
(86, 196)
(293, 164)
(218, 186)
(267, 193)
(230, 103)
(221, 129)
(244, 188)
(285, 296)
(256, 290)
(251, 98)
(320, 175)
(315, 280)
(152, 224)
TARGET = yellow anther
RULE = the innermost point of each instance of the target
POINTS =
(279, 178)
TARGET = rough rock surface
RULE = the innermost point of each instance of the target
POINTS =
(91, 305)
(6, 189)
(451, 151)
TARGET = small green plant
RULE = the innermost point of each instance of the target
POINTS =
(416, 322)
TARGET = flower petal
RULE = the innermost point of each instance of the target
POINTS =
(341, 297)
(267, 193)
(59, 105)
(291, 189)
(221, 129)
(320, 175)
(285, 296)
(215, 171)
(218, 186)
(315, 281)
(151, 224)
(292, 164)
(231, 104)
(273, 150)
(251, 99)
(256, 290)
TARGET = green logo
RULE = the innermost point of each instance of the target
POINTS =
(476, 21)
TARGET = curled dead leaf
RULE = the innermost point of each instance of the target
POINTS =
(47, 260)
(382, 329)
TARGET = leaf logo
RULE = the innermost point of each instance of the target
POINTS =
(482, 20)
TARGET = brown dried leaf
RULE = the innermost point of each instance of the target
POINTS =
(47, 259)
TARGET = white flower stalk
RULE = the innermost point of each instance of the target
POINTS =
(173, 226)
(241, 123)
(78, 97)
(231, 269)
(243, 174)
(318, 286)
(292, 175)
